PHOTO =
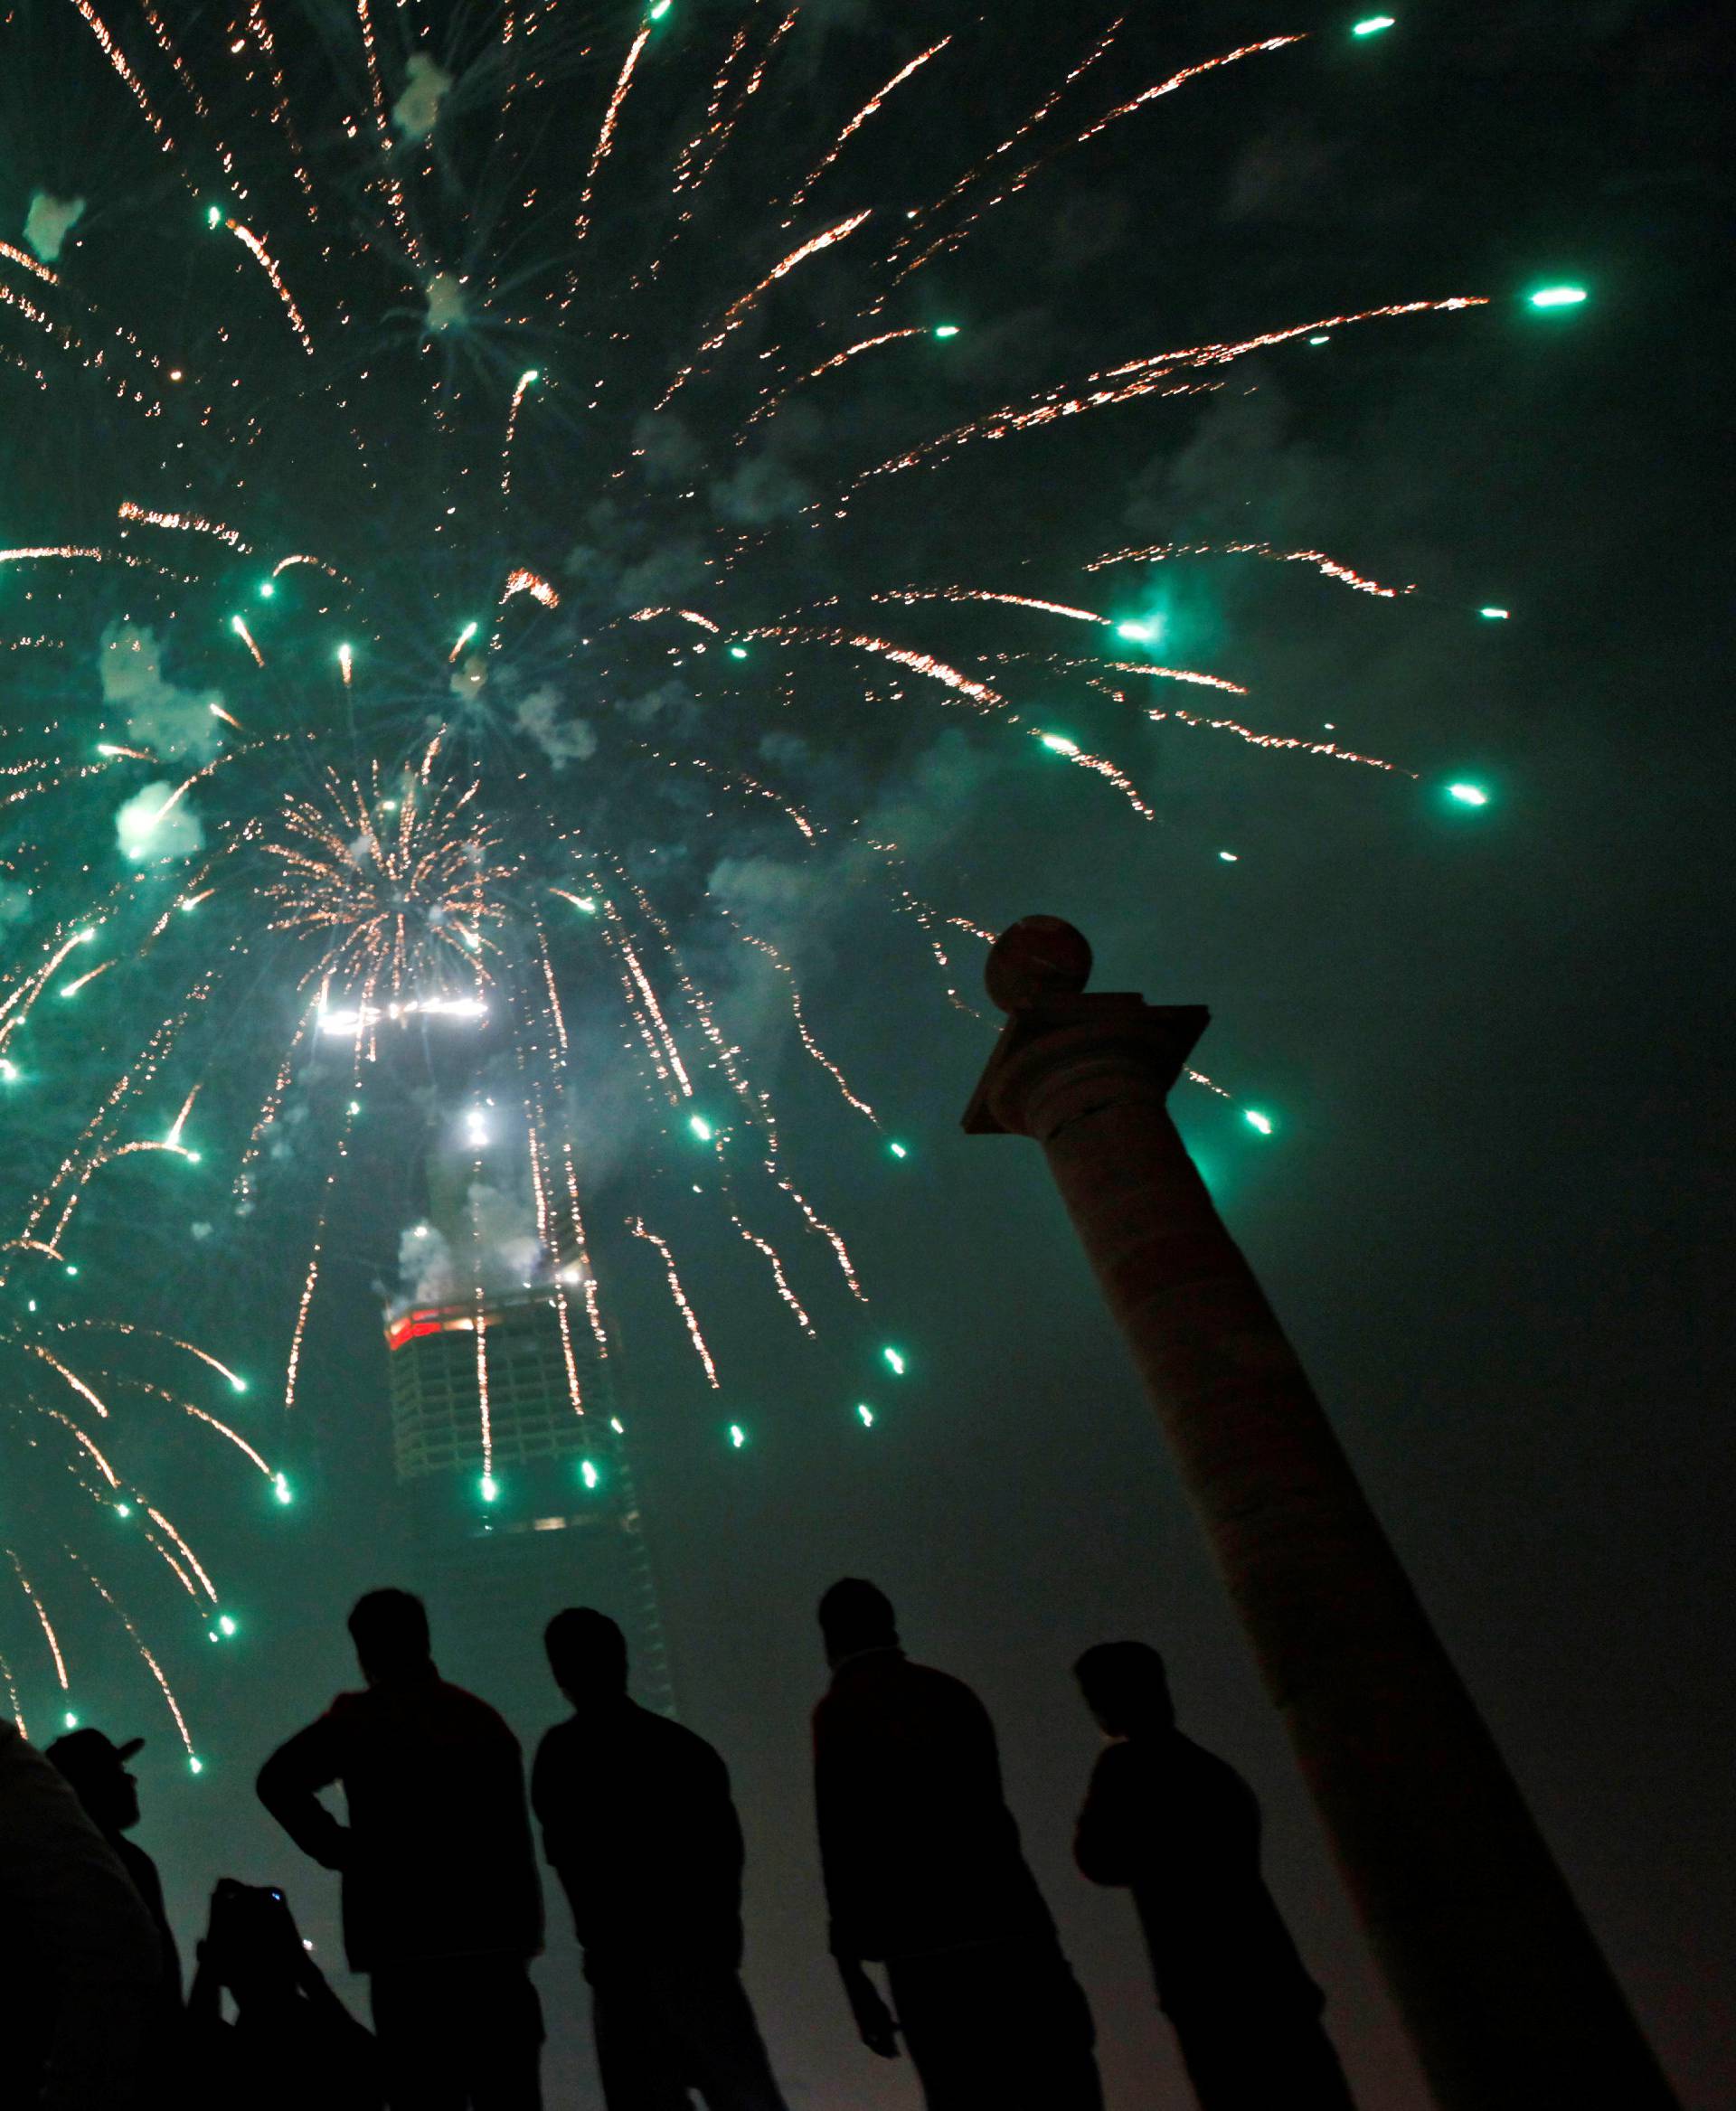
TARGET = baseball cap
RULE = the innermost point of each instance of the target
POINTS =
(88, 1751)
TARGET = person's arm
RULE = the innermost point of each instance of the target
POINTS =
(1103, 1839)
(290, 1783)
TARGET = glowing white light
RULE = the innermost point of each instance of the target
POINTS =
(1468, 795)
(351, 1022)
(1263, 1122)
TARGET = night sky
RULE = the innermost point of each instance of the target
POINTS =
(1493, 1211)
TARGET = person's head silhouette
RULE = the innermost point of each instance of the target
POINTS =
(1127, 1688)
(587, 1655)
(857, 1616)
(390, 1630)
(97, 1767)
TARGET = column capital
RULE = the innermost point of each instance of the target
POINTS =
(1063, 1051)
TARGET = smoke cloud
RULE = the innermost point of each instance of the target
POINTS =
(417, 110)
(48, 223)
(445, 308)
(563, 740)
(175, 723)
(152, 832)
(498, 1250)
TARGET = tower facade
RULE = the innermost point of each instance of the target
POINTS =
(511, 1453)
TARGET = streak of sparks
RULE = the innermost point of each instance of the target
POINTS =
(268, 263)
(875, 102)
(527, 582)
(778, 1276)
(1331, 567)
(636, 1225)
(29, 1591)
(611, 118)
(1278, 741)
(185, 523)
(140, 1645)
(739, 310)
(116, 58)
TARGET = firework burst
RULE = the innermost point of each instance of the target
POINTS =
(502, 604)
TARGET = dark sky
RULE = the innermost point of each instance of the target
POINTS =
(1493, 1211)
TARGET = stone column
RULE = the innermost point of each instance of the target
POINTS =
(1504, 1991)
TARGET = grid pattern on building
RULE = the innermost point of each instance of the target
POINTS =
(436, 1400)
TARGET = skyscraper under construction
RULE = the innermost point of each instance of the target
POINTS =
(512, 1452)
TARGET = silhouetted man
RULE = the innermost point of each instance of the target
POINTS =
(638, 1824)
(97, 1770)
(1181, 1828)
(81, 1963)
(923, 1872)
(442, 1907)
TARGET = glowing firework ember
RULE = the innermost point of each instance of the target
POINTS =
(573, 507)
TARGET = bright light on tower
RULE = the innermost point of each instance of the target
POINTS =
(226, 1624)
(1557, 296)
(864, 1414)
(589, 1474)
(1494, 615)
(1371, 25)
(1058, 744)
(738, 1437)
(490, 1488)
(894, 1361)
(897, 1149)
(945, 329)
(280, 1488)
(701, 1127)
(1468, 795)
(1256, 1120)
(1136, 633)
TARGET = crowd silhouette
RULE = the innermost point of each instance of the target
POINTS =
(943, 1941)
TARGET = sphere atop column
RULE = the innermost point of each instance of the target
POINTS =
(1037, 958)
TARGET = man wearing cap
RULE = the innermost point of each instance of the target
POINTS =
(80, 1961)
(96, 1769)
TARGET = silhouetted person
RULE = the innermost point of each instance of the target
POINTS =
(924, 1872)
(1181, 1828)
(638, 1824)
(442, 1906)
(96, 1769)
(81, 1963)
(293, 2044)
